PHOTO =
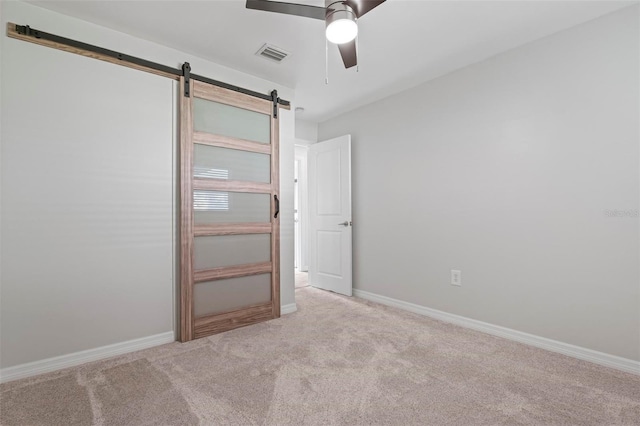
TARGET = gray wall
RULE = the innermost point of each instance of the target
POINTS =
(307, 131)
(88, 155)
(509, 170)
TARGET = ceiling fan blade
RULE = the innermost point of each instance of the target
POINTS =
(349, 54)
(360, 7)
(288, 8)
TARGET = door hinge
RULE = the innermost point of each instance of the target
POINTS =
(186, 72)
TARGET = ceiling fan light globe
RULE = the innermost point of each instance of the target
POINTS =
(342, 31)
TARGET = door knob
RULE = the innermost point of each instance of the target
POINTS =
(345, 223)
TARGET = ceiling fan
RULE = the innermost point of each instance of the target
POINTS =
(340, 18)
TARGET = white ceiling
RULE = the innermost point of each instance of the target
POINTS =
(402, 42)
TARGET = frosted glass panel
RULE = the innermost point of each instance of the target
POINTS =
(222, 163)
(230, 207)
(214, 297)
(229, 250)
(226, 120)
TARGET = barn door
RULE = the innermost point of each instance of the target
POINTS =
(229, 211)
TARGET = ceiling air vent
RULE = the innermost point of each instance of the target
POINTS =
(272, 53)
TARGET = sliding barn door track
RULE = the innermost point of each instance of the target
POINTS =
(26, 33)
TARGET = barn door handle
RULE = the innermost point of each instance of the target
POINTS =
(275, 199)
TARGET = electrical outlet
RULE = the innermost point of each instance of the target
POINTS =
(456, 277)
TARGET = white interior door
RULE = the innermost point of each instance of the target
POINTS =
(296, 215)
(329, 166)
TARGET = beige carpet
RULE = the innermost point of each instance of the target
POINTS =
(302, 279)
(336, 361)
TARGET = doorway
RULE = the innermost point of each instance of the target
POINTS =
(322, 215)
(330, 220)
(301, 217)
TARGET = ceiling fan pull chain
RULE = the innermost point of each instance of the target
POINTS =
(326, 61)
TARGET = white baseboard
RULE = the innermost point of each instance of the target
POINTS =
(607, 360)
(77, 358)
(64, 361)
(288, 309)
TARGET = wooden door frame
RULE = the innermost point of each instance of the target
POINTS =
(190, 326)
